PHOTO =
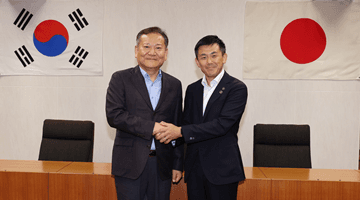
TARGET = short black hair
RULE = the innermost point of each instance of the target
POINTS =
(153, 29)
(209, 40)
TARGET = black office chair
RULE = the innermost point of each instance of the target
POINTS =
(67, 140)
(282, 145)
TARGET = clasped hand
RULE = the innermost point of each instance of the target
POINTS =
(166, 132)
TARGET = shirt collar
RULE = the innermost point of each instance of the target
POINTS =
(215, 81)
(146, 75)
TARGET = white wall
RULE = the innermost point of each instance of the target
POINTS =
(331, 108)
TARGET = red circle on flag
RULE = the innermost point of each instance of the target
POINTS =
(303, 41)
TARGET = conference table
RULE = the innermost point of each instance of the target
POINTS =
(54, 180)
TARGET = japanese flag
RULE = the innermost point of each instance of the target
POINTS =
(302, 40)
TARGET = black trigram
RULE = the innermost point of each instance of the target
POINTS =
(78, 19)
(23, 19)
(24, 56)
(79, 55)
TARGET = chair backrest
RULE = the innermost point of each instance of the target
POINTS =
(282, 145)
(67, 140)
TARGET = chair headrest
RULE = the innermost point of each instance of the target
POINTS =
(68, 129)
(282, 134)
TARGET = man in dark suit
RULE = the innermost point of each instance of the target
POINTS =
(137, 100)
(213, 109)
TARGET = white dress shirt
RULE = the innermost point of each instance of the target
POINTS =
(209, 89)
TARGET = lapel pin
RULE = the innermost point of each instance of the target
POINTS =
(220, 91)
(223, 88)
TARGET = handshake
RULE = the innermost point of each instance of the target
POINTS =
(166, 132)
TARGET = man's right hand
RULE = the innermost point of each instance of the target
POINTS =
(167, 132)
(157, 128)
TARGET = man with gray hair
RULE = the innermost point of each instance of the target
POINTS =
(137, 100)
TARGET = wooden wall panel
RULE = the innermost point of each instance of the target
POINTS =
(46, 180)
(254, 189)
(81, 187)
(318, 190)
(285, 189)
(350, 190)
(23, 186)
(179, 191)
(105, 187)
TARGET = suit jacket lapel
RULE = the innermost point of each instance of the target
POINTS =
(219, 90)
(199, 95)
(164, 89)
(139, 83)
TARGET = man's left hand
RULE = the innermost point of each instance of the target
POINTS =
(176, 176)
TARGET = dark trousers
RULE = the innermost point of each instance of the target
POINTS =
(200, 188)
(148, 186)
